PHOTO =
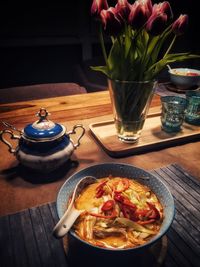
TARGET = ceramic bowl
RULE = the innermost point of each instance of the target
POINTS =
(122, 170)
(184, 77)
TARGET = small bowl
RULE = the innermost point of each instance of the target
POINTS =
(184, 78)
(121, 170)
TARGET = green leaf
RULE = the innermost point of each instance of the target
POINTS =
(127, 40)
(170, 58)
(114, 59)
(102, 69)
(156, 45)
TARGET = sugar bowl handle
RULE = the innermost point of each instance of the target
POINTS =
(12, 136)
(73, 131)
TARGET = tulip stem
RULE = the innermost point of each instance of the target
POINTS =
(103, 46)
(170, 47)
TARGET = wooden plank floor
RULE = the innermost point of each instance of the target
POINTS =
(26, 237)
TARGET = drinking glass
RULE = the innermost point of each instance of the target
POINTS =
(192, 115)
(173, 113)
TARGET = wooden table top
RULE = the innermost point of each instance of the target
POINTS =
(17, 194)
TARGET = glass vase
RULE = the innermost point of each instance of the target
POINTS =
(130, 102)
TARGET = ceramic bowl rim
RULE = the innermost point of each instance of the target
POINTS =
(171, 72)
(147, 244)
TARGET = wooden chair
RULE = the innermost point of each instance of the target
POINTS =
(32, 92)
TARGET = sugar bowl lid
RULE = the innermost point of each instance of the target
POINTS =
(43, 129)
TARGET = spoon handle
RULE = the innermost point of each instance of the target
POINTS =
(66, 222)
(169, 68)
(71, 214)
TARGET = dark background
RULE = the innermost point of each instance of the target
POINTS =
(45, 43)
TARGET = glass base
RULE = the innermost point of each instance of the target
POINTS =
(129, 139)
(192, 120)
(171, 126)
(171, 130)
(129, 132)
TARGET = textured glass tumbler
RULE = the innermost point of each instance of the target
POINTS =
(173, 113)
(192, 115)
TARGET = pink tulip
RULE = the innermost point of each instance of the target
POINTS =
(163, 7)
(97, 6)
(123, 9)
(147, 5)
(140, 12)
(180, 25)
(112, 22)
(156, 23)
(166, 8)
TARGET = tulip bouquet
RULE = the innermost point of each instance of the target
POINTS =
(142, 35)
(139, 33)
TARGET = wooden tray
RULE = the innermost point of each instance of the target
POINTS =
(152, 137)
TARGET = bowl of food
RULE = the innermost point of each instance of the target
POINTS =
(126, 209)
(184, 78)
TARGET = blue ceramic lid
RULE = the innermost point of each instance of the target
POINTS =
(43, 129)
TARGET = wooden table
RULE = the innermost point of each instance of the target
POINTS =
(26, 233)
(17, 194)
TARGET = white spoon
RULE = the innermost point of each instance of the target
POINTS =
(71, 214)
(169, 67)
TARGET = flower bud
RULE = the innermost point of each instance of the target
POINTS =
(180, 25)
(163, 8)
(140, 12)
(112, 22)
(147, 4)
(156, 23)
(97, 6)
(166, 8)
(123, 9)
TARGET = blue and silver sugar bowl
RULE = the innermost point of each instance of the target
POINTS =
(43, 145)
